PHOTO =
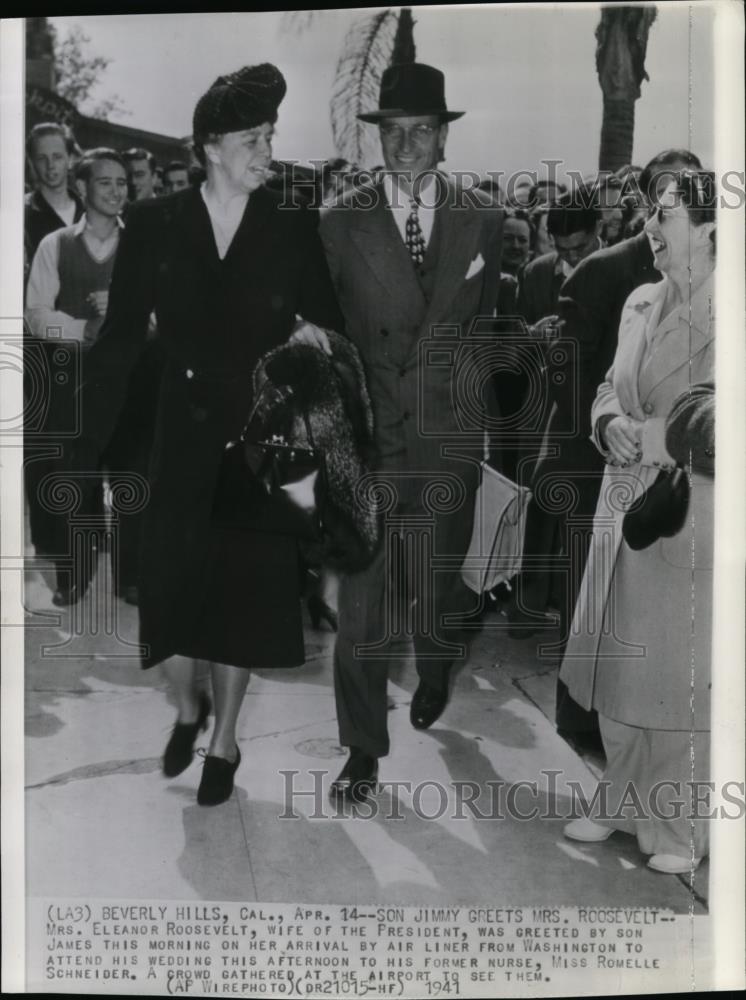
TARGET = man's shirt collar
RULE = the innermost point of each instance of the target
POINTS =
(82, 224)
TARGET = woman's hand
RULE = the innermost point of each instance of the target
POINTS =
(623, 440)
(311, 335)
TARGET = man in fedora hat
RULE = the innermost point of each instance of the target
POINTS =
(410, 253)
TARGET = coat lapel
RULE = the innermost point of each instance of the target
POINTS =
(377, 237)
(682, 335)
(196, 229)
(459, 234)
(631, 350)
(247, 241)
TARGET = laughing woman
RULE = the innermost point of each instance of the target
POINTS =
(639, 651)
(226, 270)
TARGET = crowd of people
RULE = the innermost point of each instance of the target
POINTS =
(173, 285)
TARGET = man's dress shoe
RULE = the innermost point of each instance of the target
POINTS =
(427, 705)
(357, 779)
(216, 785)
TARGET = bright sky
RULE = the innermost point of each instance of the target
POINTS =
(525, 75)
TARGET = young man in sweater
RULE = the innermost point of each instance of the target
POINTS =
(67, 296)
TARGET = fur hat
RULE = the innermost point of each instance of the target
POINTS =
(240, 100)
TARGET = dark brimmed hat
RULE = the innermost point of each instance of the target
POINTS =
(409, 89)
(237, 101)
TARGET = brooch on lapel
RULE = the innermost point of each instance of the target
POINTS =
(641, 307)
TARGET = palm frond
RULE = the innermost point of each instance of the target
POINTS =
(296, 22)
(366, 52)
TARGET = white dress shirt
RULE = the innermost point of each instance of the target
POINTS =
(44, 282)
(565, 269)
(401, 205)
(67, 214)
(225, 217)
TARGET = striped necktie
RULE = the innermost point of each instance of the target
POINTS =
(415, 239)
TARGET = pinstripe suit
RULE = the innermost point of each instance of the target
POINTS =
(392, 313)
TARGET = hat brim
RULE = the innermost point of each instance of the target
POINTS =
(378, 116)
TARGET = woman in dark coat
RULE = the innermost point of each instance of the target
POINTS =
(227, 272)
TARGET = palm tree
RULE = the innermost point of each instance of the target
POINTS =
(372, 43)
(622, 41)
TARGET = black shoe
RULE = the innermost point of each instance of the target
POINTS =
(357, 779)
(216, 785)
(320, 611)
(180, 748)
(427, 705)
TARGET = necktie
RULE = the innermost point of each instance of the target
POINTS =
(415, 239)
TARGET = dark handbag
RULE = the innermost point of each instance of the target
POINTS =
(660, 512)
(267, 482)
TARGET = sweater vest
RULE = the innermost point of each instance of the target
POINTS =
(80, 275)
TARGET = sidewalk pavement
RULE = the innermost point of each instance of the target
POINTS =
(102, 821)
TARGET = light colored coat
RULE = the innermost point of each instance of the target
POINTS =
(639, 648)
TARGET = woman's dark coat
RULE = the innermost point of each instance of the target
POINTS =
(230, 597)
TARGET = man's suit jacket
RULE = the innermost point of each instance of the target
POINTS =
(539, 289)
(590, 303)
(392, 323)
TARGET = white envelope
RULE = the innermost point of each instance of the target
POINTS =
(475, 267)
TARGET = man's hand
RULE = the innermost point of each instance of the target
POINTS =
(548, 328)
(311, 335)
(623, 440)
(99, 301)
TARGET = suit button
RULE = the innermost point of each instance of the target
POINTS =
(656, 464)
(710, 452)
(402, 372)
(406, 415)
(648, 408)
(384, 332)
(189, 373)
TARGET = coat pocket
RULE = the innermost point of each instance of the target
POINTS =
(693, 546)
